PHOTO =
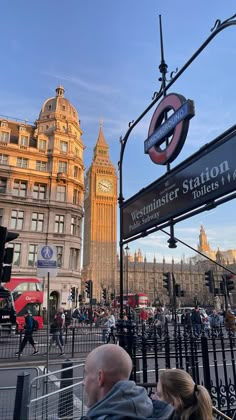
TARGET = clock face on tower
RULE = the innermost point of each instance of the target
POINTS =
(104, 185)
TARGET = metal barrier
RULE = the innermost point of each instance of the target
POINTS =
(77, 340)
(59, 394)
(210, 359)
(7, 395)
(8, 392)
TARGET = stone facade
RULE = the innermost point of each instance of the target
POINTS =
(42, 190)
(100, 221)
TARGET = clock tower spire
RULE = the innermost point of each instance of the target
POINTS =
(100, 220)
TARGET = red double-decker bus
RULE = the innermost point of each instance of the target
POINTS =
(134, 300)
(27, 295)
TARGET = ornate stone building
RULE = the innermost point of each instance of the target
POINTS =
(147, 277)
(42, 189)
(224, 257)
(100, 220)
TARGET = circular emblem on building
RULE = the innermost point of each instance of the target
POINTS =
(168, 128)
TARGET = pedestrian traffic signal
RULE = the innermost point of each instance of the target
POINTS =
(228, 280)
(80, 298)
(112, 296)
(6, 254)
(167, 282)
(104, 294)
(177, 290)
(73, 292)
(182, 293)
(209, 280)
(89, 289)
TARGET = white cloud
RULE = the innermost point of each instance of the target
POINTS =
(102, 89)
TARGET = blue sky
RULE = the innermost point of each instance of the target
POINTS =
(106, 54)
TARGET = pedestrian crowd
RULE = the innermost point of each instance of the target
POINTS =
(156, 319)
(112, 395)
(211, 323)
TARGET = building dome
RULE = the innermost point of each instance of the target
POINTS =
(60, 106)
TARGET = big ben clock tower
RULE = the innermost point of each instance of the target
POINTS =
(100, 221)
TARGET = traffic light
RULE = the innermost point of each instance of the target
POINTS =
(167, 282)
(222, 287)
(104, 294)
(182, 293)
(89, 289)
(228, 281)
(209, 280)
(112, 296)
(73, 291)
(6, 254)
(80, 298)
(177, 290)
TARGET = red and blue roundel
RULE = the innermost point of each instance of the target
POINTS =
(170, 130)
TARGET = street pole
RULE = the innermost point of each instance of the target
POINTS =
(127, 270)
(225, 293)
(48, 320)
(174, 297)
(76, 297)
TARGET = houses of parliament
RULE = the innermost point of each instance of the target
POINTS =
(48, 198)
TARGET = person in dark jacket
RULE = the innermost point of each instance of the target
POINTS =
(190, 401)
(110, 393)
(215, 323)
(28, 336)
(196, 321)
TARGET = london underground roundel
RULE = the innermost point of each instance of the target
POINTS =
(167, 133)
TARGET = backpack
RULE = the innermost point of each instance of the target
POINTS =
(31, 324)
(35, 325)
(53, 327)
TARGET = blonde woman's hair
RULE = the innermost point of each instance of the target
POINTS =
(189, 399)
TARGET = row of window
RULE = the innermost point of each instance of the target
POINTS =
(33, 252)
(24, 140)
(40, 165)
(38, 221)
(39, 190)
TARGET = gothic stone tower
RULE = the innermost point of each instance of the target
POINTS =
(100, 221)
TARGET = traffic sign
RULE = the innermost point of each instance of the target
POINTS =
(47, 260)
(201, 179)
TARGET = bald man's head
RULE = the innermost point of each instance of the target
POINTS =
(105, 366)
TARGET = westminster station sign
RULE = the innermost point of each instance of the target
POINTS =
(204, 177)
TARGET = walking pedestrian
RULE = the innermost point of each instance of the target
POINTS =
(29, 327)
(108, 328)
(60, 322)
(196, 321)
(230, 322)
(55, 338)
(160, 322)
(215, 323)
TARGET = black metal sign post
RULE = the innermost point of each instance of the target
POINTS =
(218, 27)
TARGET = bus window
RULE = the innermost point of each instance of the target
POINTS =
(34, 308)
